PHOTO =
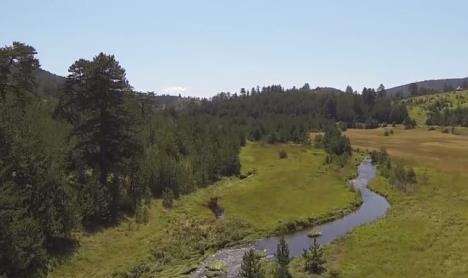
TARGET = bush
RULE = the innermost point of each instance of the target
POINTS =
(283, 154)
(168, 198)
(409, 123)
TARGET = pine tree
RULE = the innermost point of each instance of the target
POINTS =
(250, 267)
(282, 259)
(94, 104)
(314, 259)
(35, 209)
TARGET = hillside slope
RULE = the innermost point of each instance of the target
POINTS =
(435, 84)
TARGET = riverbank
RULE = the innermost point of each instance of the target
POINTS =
(374, 206)
(175, 241)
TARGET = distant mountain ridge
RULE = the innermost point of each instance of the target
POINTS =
(434, 84)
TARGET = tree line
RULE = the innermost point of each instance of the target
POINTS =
(274, 114)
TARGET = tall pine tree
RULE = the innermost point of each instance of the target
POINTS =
(94, 104)
(282, 259)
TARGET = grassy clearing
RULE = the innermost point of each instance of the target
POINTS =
(424, 234)
(299, 189)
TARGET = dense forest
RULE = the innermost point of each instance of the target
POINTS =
(81, 153)
(275, 114)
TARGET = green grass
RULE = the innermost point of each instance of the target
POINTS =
(418, 106)
(424, 233)
(299, 189)
(286, 190)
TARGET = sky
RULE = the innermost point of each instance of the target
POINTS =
(200, 48)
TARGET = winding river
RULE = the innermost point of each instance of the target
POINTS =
(373, 207)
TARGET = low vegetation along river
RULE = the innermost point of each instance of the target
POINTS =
(373, 207)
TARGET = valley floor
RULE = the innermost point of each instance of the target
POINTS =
(281, 194)
(423, 234)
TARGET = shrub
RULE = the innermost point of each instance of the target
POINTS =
(283, 154)
(409, 123)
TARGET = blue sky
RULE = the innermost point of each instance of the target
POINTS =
(203, 47)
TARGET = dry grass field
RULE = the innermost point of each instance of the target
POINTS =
(419, 146)
(424, 233)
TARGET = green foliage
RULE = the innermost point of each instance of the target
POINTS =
(168, 198)
(17, 65)
(335, 143)
(282, 259)
(314, 259)
(399, 175)
(275, 114)
(93, 104)
(190, 236)
(184, 151)
(250, 267)
(36, 206)
(337, 146)
(141, 213)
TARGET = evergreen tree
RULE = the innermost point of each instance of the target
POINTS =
(250, 267)
(94, 104)
(282, 259)
(17, 65)
(314, 259)
(35, 205)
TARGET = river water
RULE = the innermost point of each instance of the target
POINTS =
(373, 207)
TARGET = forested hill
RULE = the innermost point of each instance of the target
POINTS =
(47, 83)
(429, 86)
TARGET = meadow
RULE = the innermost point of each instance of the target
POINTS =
(424, 233)
(278, 194)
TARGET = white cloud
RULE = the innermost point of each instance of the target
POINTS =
(174, 90)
